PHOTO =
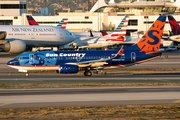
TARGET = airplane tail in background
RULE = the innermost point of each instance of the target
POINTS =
(103, 32)
(31, 21)
(151, 40)
(122, 28)
(63, 23)
(174, 25)
(119, 34)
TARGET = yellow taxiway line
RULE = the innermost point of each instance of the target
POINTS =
(177, 101)
(4, 104)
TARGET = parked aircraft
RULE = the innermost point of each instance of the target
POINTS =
(83, 40)
(62, 23)
(116, 37)
(31, 20)
(175, 27)
(147, 48)
(15, 38)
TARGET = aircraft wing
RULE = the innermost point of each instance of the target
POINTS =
(175, 38)
(91, 63)
(98, 62)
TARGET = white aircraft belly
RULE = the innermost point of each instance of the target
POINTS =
(29, 68)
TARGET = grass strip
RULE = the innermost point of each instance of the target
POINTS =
(124, 112)
(78, 85)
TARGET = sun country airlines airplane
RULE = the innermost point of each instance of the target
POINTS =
(15, 38)
(147, 48)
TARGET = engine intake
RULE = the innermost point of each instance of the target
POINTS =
(14, 46)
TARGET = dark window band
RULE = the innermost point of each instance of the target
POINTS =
(13, 6)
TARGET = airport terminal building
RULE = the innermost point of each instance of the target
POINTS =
(102, 16)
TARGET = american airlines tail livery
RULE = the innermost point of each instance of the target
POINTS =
(65, 62)
(15, 38)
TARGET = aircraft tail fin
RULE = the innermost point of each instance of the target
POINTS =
(31, 20)
(63, 23)
(122, 28)
(150, 42)
(103, 32)
(174, 25)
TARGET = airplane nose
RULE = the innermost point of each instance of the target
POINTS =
(13, 62)
(72, 38)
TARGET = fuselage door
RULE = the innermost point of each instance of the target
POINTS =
(61, 36)
(31, 59)
(133, 57)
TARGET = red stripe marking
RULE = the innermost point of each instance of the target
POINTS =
(126, 20)
(123, 30)
(37, 66)
(66, 18)
(64, 23)
(64, 27)
(118, 39)
(114, 35)
(124, 25)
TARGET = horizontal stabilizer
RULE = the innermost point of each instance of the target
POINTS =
(161, 51)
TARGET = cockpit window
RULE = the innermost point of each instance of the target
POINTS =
(70, 33)
(19, 58)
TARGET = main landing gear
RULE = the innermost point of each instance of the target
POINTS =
(88, 73)
(27, 74)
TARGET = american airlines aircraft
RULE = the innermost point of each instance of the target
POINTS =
(15, 38)
(68, 62)
(118, 36)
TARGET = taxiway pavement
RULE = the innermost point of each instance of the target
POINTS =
(20, 98)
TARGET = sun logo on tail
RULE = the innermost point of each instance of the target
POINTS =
(150, 42)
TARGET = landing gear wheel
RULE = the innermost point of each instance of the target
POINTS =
(87, 73)
(27, 74)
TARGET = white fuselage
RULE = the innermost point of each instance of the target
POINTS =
(96, 42)
(38, 35)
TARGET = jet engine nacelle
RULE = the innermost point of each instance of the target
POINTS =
(14, 46)
(64, 69)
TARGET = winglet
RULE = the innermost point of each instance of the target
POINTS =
(120, 52)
